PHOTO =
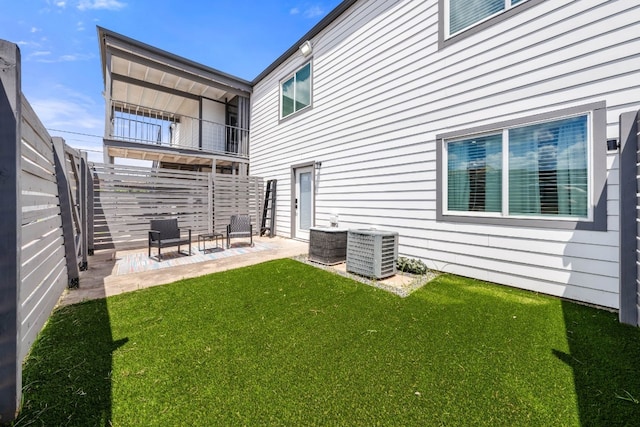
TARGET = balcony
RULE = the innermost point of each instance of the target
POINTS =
(158, 129)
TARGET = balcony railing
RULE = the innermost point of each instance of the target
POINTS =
(142, 125)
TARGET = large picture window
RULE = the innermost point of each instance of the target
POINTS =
(535, 170)
(463, 14)
(295, 92)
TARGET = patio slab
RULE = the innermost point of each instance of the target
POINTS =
(101, 279)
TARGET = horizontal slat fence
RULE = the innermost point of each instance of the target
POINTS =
(126, 198)
(43, 275)
(41, 233)
(234, 194)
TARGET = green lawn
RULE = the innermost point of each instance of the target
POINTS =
(284, 343)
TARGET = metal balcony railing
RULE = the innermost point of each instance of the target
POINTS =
(142, 125)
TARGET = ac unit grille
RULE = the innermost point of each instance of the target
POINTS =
(372, 253)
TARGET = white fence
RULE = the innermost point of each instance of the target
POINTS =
(126, 198)
(234, 194)
(43, 228)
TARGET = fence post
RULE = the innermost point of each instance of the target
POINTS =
(84, 202)
(629, 144)
(10, 230)
(90, 210)
(210, 201)
(258, 198)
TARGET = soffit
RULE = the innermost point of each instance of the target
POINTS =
(158, 156)
(143, 75)
(143, 85)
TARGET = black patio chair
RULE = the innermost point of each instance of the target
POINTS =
(165, 233)
(239, 227)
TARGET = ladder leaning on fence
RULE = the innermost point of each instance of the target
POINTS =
(269, 209)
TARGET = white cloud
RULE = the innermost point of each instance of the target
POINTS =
(313, 11)
(40, 53)
(308, 10)
(66, 58)
(69, 114)
(101, 4)
(35, 30)
(80, 26)
(57, 3)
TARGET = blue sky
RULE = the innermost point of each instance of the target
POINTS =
(61, 74)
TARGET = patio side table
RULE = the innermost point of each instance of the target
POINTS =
(203, 238)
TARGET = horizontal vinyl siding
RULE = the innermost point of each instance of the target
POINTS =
(382, 91)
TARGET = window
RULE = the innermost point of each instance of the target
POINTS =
(548, 172)
(295, 92)
(538, 170)
(461, 15)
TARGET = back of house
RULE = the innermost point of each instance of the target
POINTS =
(484, 133)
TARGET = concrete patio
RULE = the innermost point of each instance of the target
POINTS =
(101, 279)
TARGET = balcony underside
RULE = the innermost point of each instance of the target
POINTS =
(142, 151)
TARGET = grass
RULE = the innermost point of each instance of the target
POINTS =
(284, 343)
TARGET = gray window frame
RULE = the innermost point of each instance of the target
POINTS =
(444, 40)
(288, 77)
(598, 221)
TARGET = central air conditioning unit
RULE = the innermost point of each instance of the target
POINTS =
(372, 253)
(327, 245)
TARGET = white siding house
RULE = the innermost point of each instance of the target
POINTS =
(391, 94)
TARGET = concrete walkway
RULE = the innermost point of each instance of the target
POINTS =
(100, 281)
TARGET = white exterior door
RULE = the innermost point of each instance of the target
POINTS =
(303, 206)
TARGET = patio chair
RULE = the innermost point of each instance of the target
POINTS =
(239, 226)
(165, 233)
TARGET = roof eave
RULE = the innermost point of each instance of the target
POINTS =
(103, 33)
(325, 22)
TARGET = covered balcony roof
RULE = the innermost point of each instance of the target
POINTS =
(135, 73)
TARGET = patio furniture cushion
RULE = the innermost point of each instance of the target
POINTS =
(165, 233)
(239, 226)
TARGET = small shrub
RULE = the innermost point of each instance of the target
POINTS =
(411, 265)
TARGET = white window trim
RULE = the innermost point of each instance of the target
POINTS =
(505, 173)
(290, 76)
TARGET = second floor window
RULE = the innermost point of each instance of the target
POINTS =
(463, 14)
(295, 92)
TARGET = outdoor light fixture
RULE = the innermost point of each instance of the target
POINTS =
(612, 144)
(317, 165)
(305, 48)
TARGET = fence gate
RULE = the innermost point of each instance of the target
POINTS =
(630, 218)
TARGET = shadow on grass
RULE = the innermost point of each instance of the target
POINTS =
(604, 356)
(67, 376)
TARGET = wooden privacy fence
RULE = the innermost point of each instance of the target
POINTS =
(234, 194)
(126, 198)
(43, 226)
